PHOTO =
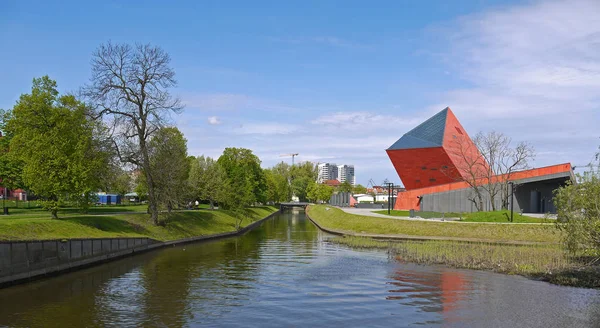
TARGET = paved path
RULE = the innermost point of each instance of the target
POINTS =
(369, 212)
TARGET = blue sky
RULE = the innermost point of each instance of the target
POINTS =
(336, 81)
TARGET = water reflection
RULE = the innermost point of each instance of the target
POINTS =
(286, 273)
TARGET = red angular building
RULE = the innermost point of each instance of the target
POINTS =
(434, 160)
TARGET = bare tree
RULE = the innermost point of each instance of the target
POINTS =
(503, 161)
(130, 86)
(471, 167)
(486, 164)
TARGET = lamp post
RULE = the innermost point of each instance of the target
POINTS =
(512, 198)
(390, 186)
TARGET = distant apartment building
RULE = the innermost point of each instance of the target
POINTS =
(346, 173)
(331, 171)
(327, 171)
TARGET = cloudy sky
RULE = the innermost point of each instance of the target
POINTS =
(337, 81)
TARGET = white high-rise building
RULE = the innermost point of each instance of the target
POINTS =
(327, 171)
(346, 173)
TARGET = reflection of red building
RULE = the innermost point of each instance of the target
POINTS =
(434, 159)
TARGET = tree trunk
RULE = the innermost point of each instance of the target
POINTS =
(152, 201)
(212, 205)
(54, 213)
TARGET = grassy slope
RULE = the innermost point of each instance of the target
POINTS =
(425, 215)
(181, 225)
(496, 216)
(339, 220)
(502, 217)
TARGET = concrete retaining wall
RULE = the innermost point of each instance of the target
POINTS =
(22, 261)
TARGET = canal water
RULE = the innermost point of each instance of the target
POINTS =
(287, 274)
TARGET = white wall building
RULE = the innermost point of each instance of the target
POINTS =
(346, 173)
(327, 171)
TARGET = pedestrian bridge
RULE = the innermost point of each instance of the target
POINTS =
(283, 206)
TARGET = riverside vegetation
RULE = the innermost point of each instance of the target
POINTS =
(536, 251)
(545, 262)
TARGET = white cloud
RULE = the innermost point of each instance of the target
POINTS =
(534, 74)
(266, 128)
(213, 120)
(216, 101)
(364, 120)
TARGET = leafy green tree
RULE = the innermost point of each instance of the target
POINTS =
(207, 180)
(578, 211)
(359, 189)
(10, 166)
(300, 187)
(319, 192)
(278, 184)
(119, 181)
(301, 175)
(245, 180)
(170, 166)
(54, 140)
(325, 192)
(345, 186)
(304, 169)
(140, 186)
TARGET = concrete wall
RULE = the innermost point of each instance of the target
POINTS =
(341, 199)
(25, 259)
(456, 201)
(525, 199)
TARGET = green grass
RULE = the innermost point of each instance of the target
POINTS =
(425, 215)
(339, 220)
(38, 212)
(495, 216)
(546, 262)
(180, 225)
(503, 217)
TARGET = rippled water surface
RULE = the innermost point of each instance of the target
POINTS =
(286, 273)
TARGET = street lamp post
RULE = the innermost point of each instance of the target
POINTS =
(390, 186)
(512, 199)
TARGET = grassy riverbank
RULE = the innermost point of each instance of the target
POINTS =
(494, 216)
(336, 219)
(545, 262)
(184, 224)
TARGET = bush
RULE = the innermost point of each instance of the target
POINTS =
(578, 213)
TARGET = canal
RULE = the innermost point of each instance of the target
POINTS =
(286, 273)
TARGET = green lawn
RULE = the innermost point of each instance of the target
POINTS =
(339, 220)
(183, 224)
(496, 216)
(503, 217)
(425, 215)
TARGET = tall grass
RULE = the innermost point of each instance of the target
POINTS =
(545, 262)
(527, 260)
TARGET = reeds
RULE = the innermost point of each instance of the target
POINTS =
(527, 260)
